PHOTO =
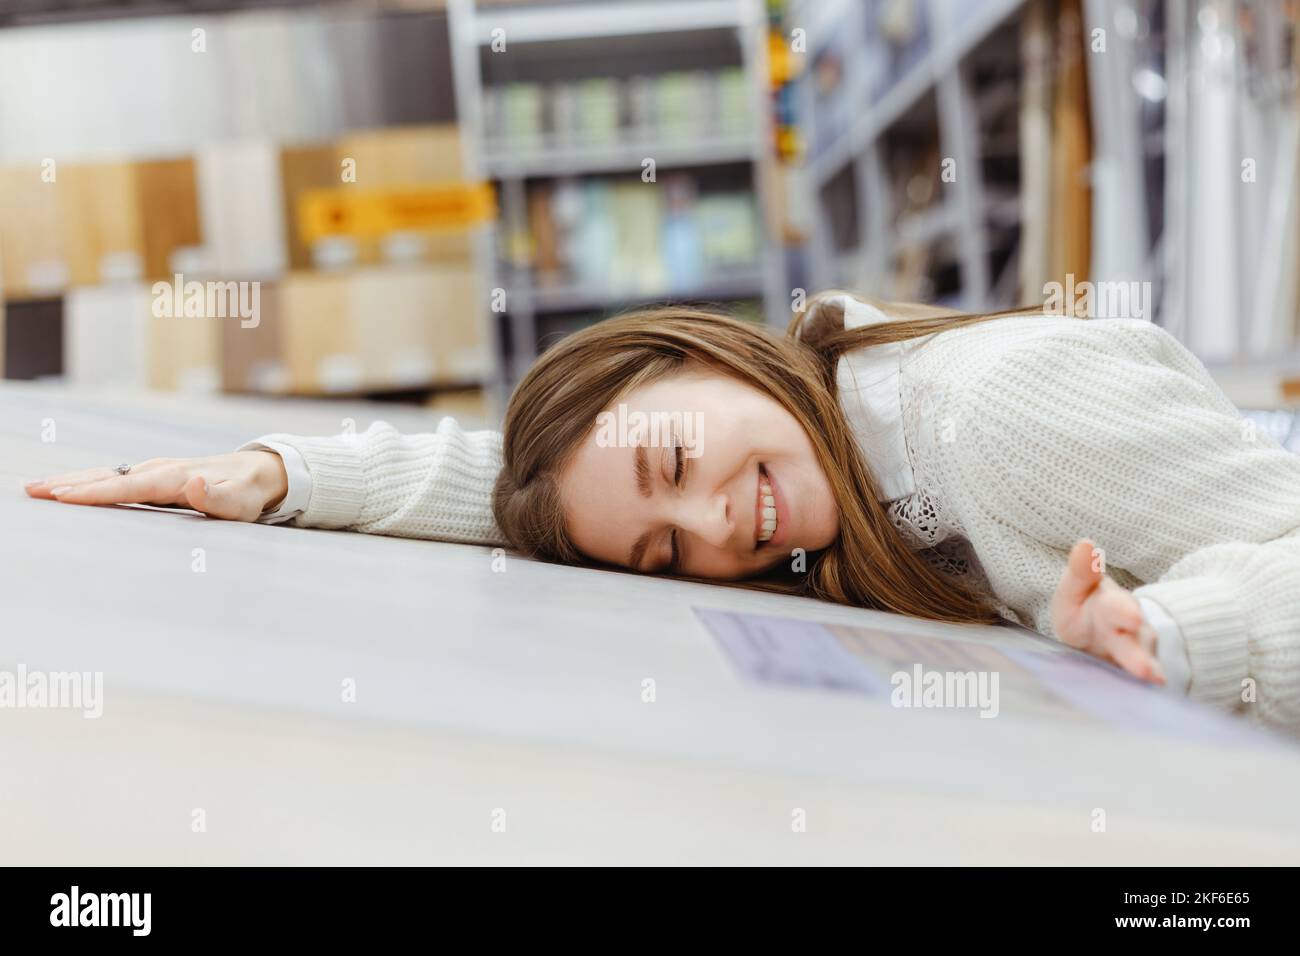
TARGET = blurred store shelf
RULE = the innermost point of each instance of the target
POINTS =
(549, 22)
(741, 285)
(974, 152)
(599, 96)
(502, 162)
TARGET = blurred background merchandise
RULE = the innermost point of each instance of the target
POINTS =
(429, 193)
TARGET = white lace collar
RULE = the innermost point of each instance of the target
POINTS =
(869, 385)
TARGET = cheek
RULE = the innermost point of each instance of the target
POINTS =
(592, 506)
(823, 511)
(598, 528)
(829, 526)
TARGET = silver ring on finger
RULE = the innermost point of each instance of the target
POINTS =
(122, 469)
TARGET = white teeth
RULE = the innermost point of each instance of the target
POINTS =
(768, 502)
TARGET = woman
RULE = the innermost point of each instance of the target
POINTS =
(951, 467)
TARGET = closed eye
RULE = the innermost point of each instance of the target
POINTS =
(679, 475)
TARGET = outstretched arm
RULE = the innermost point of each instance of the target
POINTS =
(1126, 440)
(431, 485)
(434, 485)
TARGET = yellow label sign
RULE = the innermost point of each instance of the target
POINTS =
(345, 211)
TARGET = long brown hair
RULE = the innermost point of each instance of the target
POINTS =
(555, 406)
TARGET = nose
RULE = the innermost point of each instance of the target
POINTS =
(708, 518)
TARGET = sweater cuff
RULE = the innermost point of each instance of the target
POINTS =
(297, 478)
(1214, 629)
(1171, 649)
(338, 487)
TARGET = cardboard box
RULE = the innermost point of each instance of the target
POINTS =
(392, 314)
(417, 326)
(380, 328)
(169, 213)
(460, 325)
(316, 333)
(241, 204)
(32, 252)
(100, 219)
(407, 156)
(303, 168)
(252, 356)
(184, 350)
(404, 155)
(468, 405)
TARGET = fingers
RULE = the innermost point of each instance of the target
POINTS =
(161, 486)
(45, 487)
(1128, 653)
(222, 487)
(1082, 573)
(1147, 639)
(1125, 637)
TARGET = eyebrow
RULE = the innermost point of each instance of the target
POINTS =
(641, 471)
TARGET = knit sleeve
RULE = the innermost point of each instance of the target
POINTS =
(433, 485)
(1115, 432)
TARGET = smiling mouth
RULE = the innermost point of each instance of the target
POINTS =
(766, 520)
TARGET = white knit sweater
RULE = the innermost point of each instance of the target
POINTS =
(1024, 434)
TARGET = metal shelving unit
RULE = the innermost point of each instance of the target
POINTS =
(745, 284)
(958, 26)
(1229, 283)
(540, 23)
(473, 28)
(621, 157)
(1218, 253)
(464, 63)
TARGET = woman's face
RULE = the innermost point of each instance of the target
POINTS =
(743, 493)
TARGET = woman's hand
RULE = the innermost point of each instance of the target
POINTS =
(237, 486)
(1093, 613)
